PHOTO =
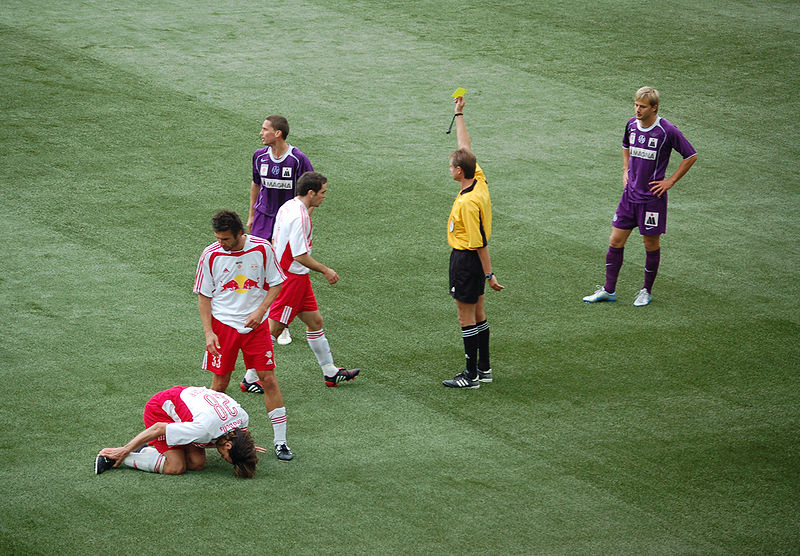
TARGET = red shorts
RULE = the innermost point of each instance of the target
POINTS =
(256, 347)
(154, 413)
(296, 296)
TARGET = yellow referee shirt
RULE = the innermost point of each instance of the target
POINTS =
(470, 224)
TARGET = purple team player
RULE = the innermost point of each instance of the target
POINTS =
(646, 146)
(276, 169)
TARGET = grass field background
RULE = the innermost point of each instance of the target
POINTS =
(609, 429)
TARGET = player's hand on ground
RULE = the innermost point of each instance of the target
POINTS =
(661, 186)
(331, 276)
(494, 284)
(212, 343)
(117, 454)
(261, 450)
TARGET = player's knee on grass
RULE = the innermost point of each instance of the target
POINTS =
(195, 459)
(174, 463)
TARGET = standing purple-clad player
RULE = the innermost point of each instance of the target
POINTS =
(276, 169)
(646, 146)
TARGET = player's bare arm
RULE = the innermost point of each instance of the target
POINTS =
(212, 341)
(252, 212)
(309, 262)
(461, 128)
(255, 318)
(626, 159)
(486, 263)
(662, 186)
(121, 452)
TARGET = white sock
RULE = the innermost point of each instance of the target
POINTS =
(251, 375)
(322, 350)
(147, 459)
(278, 418)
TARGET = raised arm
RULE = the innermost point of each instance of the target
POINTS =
(461, 128)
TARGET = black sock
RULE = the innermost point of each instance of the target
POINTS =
(470, 335)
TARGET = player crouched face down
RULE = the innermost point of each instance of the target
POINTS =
(181, 423)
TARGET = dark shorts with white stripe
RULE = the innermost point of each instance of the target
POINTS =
(467, 280)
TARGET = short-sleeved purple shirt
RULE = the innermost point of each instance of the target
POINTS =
(649, 155)
(278, 181)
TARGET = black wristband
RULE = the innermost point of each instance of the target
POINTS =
(459, 114)
(489, 276)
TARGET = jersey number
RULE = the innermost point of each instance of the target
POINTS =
(221, 405)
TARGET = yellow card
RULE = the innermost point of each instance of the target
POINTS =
(459, 92)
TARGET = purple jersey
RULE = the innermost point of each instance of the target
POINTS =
(649, 155)
(278, 181)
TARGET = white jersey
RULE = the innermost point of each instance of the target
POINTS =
(237, 281)
(292, 235)
(202, 415)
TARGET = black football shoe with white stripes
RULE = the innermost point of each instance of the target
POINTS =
(342, 376)
(102, 463)
(283, 452)
(461, 380)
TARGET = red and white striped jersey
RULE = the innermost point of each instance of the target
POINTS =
(292, 235)
(237, 281)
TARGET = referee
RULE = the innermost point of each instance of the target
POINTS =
(468, 232)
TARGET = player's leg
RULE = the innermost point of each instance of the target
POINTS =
(195, 458)
(652, 224)
(467, 283)
(220, 382)
(257, 351)
(652, 260)
(318, 342)
(174, 462)
(222, 365)
(482, 325)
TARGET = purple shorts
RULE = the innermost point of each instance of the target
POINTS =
(649, 217)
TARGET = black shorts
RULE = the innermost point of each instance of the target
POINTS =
(467, 280)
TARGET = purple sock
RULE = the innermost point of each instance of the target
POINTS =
(651, 261)
(613, 264)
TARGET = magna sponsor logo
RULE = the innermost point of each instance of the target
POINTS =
(275, 183)
(643, 153)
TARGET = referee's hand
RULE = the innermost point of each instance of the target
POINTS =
(494, 284)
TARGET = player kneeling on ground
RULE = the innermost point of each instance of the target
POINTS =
(181, 423)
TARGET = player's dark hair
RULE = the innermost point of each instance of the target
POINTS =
(310, 181)
(242, 453)
(464, 159)
(227, 220)
(279, 123)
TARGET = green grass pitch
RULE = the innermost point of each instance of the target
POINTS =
(672, 429)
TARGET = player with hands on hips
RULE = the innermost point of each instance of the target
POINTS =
(647, 143)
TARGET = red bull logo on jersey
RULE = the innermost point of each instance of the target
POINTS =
(240, 284)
